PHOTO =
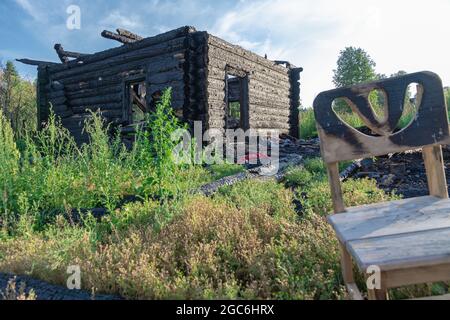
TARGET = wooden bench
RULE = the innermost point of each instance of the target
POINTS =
(406, 241)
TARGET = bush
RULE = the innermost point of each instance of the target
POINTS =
(220, 171)
(9, 159)
(248, 194)
(312, 170)
(308, 127)
(355, 192)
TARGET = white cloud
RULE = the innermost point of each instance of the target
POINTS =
(31, 10)
(117, 20)
(399, 35)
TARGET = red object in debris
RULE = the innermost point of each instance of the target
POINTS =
(253, 156)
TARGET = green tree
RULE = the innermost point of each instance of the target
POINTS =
(354, 66)
(9, 80)
(17, 98)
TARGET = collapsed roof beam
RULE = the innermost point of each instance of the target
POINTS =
(129, 34)
(114, 36)
(35, 62)
(65, 55)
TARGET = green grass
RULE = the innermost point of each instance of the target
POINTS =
(220, 171)
(308, 129)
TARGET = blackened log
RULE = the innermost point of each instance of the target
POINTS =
(129, 34)
(164, 37)
(139, 101)
(59, 100)
(114, 36)
(56, 94)
(103, 74)
(165, 63)
(65, 55)
(172, 46)
(97, 99)
(35, 62)
(294, 95)
(59, 50)
(94, 84)
(166, 77)
(101, 107)
(350, 170)
(85, 93)
(55, 85)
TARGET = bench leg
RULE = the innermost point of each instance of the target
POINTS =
(347, 274)
(347, 265)
(378, 294)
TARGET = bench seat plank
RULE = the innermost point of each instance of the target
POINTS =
(391, 218)
(398, 234)
(406, 250)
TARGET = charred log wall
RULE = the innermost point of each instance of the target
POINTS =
(294, 115)
(196, 74)
(98, 81)
(269, 87)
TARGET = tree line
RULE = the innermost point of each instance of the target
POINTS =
(17, 99)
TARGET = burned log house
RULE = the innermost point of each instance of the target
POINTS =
(220, 84)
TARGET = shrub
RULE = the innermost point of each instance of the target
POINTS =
(312, 170)
(308, 127)
(162, 125)
(355, 192)
(9, 159)
(298, 177)
(249, 194)
(220, 171)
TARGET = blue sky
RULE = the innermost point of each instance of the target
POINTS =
(399, 35)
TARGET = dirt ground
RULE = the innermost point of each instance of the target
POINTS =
(402, 173)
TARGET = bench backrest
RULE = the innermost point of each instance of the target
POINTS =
(429, 129)
(340, 142)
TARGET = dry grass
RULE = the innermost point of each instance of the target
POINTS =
(209, 250)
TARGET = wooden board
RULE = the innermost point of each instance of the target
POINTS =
(388, 218)
(341, 142)
(402, 251)
(394, 235)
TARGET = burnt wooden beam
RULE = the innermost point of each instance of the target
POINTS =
(166, 37)
(60, 51)
(129, 34)
(65, 55)
(35, 62)
(114, 36)
(138, 101)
